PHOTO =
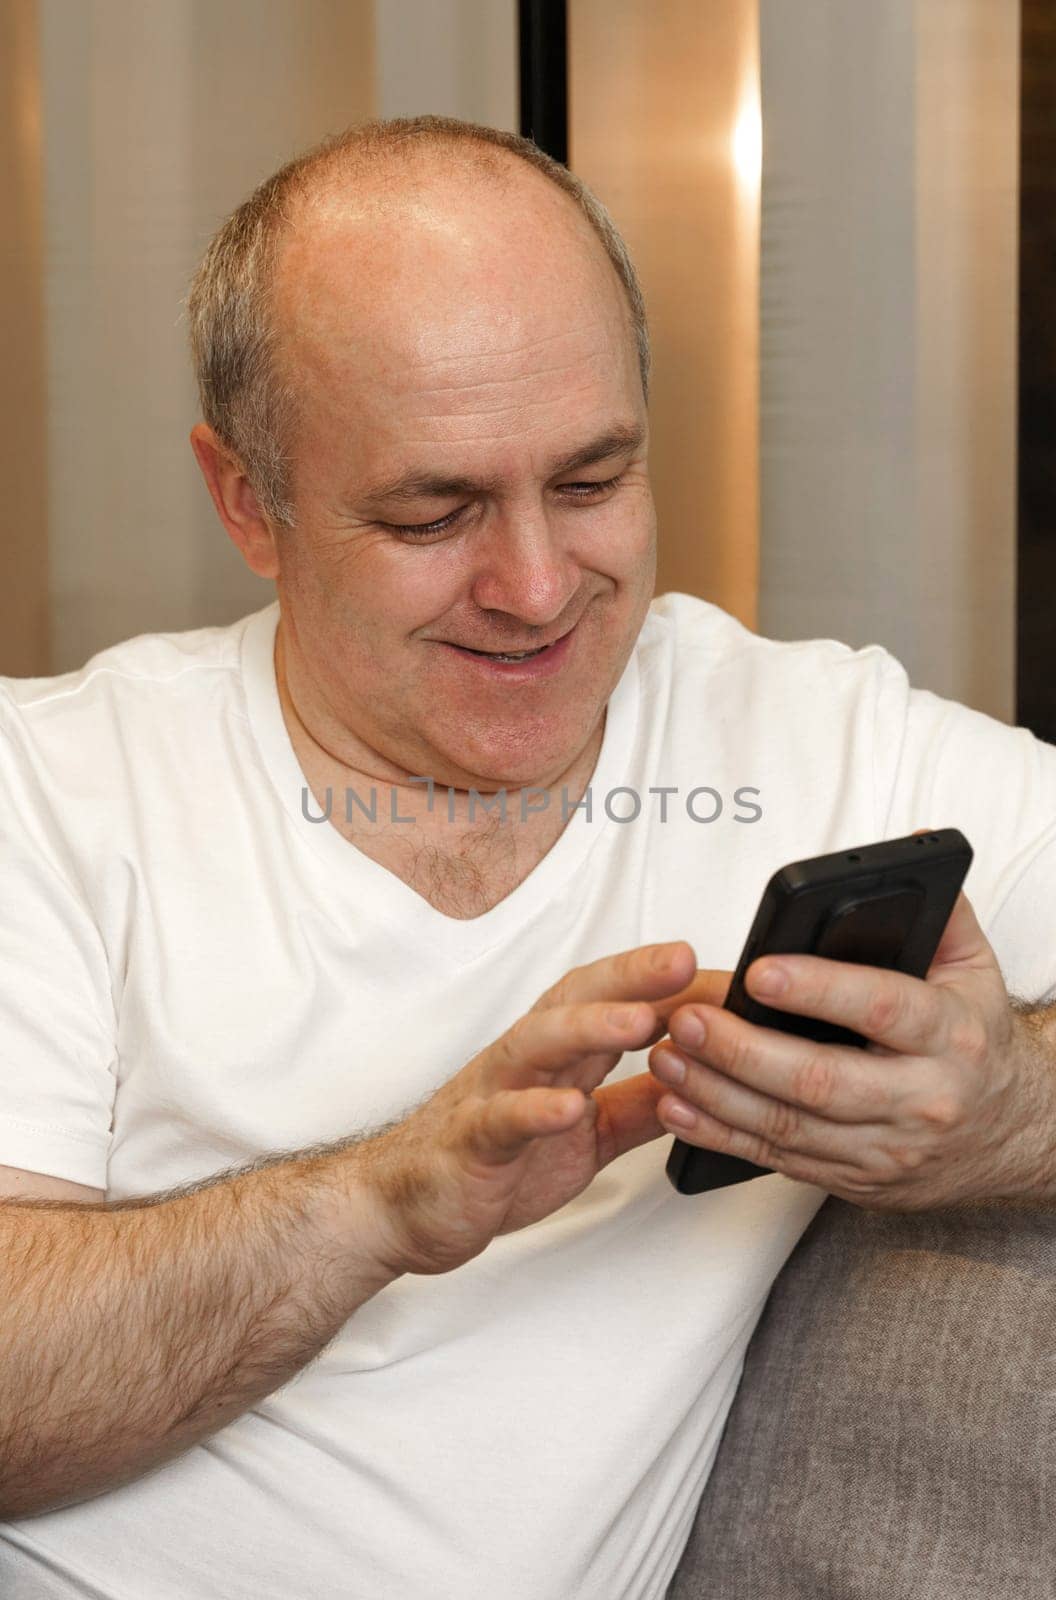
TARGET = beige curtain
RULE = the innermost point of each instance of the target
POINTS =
(888, 333)
(664, 125)
(24, 611)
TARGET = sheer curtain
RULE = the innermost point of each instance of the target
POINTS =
(888, 333)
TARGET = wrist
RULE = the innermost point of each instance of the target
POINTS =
(359, 1222)
(1034, 1138)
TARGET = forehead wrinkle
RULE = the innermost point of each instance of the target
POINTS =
(520, 405)
(402, 375)
(503, 355)
(459, 400)
(524, 349)
(495, 383)
(446, 406)
(492, 428)
(487, 415)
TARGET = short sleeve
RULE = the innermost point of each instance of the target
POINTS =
(57, 1028)
(942, 765)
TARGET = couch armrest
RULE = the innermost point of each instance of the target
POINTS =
(894, 1434)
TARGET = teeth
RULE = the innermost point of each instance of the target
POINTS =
(494, 655)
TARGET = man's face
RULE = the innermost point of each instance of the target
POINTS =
(473, 334)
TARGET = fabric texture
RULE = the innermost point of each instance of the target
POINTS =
(198, 971)
(894, 1432)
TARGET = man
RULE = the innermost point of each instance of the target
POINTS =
(340, 1254)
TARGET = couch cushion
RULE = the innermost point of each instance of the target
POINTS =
(894, 1434)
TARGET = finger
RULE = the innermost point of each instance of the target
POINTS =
(708, 1133)
(963, 943)
(904, 1014)
(644, 973)
(709, 986)
(779, 1124)
(508, 1121)
(962, 937)
(543, 1043)
(626, 1115)
(838, 1082)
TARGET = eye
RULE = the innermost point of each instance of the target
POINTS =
(425, 530)
(422, 530)
(593, 488)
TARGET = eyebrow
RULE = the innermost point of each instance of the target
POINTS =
(419, 484)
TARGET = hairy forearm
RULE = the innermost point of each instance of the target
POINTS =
(1035, 1035)
(130, 1331)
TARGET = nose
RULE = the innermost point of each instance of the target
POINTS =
(524, 568)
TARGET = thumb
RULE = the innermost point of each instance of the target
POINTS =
(710, 987)
(627, 1115)
(963, 943)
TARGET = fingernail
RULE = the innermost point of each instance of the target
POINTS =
(690, 1029)
(668, 1066)
(680, 1114)
(660, 959)
(770, 980)
(621, 1016)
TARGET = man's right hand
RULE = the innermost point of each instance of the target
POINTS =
(526, 1125)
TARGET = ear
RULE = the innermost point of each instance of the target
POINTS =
(236, 503)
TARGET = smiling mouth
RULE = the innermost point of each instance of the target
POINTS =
(514, 655)
(505, 655)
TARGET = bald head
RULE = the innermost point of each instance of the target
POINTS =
(443, 286)
(401, 244)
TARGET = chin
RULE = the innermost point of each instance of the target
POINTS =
(518, 768)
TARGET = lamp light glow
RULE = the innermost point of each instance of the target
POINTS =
(746, 144)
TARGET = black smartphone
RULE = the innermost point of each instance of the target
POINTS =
(879, 905)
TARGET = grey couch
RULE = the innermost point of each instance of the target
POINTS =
(894, 1434)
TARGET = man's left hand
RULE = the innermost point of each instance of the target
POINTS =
(953, 1100)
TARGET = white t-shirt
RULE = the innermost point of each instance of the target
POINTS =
(195, 974)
